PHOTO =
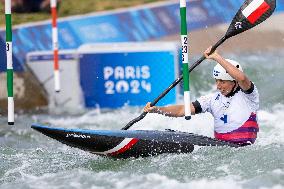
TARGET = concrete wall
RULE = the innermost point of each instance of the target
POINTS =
(28, 94)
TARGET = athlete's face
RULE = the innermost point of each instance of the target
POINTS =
(225, 87)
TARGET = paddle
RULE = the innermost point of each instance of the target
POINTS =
(251, 13)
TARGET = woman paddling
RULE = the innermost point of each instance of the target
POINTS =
(233, 107)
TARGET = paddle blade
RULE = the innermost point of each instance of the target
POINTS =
(251, 13)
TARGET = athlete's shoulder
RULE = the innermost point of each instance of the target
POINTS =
(208, 99)
(252, 89)
(210, 96)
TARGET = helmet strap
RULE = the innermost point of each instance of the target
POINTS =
(234, 90)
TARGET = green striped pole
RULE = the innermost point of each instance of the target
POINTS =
(9, 62)
(185, 70)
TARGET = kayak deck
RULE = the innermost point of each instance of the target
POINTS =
(128, 143)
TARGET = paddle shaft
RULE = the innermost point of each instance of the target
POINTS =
(222, 40)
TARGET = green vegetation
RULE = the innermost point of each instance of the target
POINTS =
(72, 7)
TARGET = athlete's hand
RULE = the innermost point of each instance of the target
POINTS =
(211, 56)
(148, 108)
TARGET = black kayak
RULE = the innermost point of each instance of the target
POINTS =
(129, 143)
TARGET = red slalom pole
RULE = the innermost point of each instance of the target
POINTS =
(53, 4)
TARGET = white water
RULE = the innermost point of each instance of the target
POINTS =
(31, 160)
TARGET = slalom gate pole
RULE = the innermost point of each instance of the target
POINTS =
(8, 17)
(185, 70)
(55, 45)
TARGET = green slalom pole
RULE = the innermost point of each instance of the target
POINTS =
(185, 70)
(9, 62)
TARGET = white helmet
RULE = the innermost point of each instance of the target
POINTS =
(220, 73)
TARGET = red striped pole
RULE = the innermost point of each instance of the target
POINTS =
(55, 45)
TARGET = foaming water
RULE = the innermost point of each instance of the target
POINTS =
(30, 160)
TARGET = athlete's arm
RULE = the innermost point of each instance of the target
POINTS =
(171, 111)
(243, 81)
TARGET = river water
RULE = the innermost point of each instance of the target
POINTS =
(29, 159)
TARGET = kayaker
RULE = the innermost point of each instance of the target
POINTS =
(234, 106)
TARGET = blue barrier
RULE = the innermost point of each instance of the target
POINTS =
(3, 64)
(127, 77)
